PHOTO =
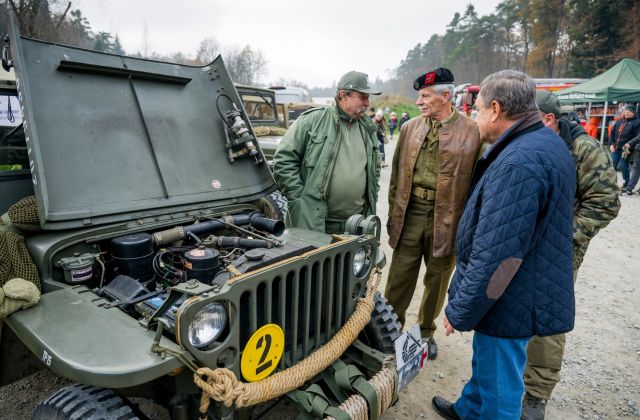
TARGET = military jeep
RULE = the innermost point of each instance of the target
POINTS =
(160, 276)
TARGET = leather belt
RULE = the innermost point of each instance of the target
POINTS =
(424, 193)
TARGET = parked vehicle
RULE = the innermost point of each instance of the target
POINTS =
(269, 118)
(260, 106)
(465, 97)
(156, 261)
(466, 94)
(291, 94)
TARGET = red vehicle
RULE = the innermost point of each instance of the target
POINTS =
(466, 94)
(465, 97)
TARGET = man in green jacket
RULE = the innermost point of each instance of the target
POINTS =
(328, 163)
(596, 203)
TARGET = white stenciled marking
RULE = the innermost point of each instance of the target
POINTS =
(46, 358)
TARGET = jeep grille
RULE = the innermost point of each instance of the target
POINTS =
(310, 303)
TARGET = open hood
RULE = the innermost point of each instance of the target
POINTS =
(113, 138)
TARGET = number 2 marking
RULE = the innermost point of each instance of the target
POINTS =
(262, 364)
(262, 353)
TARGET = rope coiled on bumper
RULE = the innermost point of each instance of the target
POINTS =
(222, 385)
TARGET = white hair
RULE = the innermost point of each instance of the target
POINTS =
(442, 88)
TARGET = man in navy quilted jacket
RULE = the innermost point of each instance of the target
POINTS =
(514, 248)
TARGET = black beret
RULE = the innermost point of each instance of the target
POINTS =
(439, 76)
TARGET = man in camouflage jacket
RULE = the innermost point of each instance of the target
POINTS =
(596, 204)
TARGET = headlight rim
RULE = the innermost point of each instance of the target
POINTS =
(215, 336)
(366, 262)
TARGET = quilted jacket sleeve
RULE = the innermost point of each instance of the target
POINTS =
(504, 233)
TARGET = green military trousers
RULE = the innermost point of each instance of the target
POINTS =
(544, 361)
(416, 244)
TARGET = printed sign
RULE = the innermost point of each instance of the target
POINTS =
(410, 355)
(262, 353)
(10, 113)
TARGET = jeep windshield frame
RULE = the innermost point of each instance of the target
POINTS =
(249, 96)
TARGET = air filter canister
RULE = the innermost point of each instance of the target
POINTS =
(201, 264)
(133, 255)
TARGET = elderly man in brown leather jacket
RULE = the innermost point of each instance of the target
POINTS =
(430, 178)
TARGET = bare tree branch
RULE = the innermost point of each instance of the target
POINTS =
(62, 17)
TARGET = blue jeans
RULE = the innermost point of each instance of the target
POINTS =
(617, 157)
(496, 386)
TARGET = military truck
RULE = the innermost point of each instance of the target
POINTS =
(268, 125)
(160, 276)
(260, 106)
(271, 118)
(268, 120)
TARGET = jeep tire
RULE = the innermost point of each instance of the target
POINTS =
(276, 205)
(80, 401)
(383, 329)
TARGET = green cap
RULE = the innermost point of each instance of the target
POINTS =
(358, 81)
(548, 102)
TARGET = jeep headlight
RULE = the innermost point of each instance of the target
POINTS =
(207, 325)
(361, 260)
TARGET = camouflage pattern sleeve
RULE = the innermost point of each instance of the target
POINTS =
(597, 198)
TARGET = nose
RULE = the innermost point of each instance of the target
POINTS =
(419, 101)
(366, 102)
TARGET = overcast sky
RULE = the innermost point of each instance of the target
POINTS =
(314, 42)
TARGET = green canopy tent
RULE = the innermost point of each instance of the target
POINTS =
(620, 83)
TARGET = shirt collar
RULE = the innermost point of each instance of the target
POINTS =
(432, 123)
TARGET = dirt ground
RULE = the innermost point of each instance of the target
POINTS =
(601, 372)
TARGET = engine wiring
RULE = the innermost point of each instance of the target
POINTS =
(167, 263)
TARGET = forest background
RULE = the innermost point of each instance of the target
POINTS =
(545, 38)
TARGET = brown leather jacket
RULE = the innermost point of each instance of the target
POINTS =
(459, 143)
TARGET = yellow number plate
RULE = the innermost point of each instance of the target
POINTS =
(262, 353)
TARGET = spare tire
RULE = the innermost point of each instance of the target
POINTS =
(277, 205)
(383, 329)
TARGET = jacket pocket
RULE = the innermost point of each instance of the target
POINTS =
(314, 148)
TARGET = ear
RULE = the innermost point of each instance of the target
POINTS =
(548, 119)
(496, 109)
(446, 98)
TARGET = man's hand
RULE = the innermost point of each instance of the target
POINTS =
(448, 329)
(612, 148)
